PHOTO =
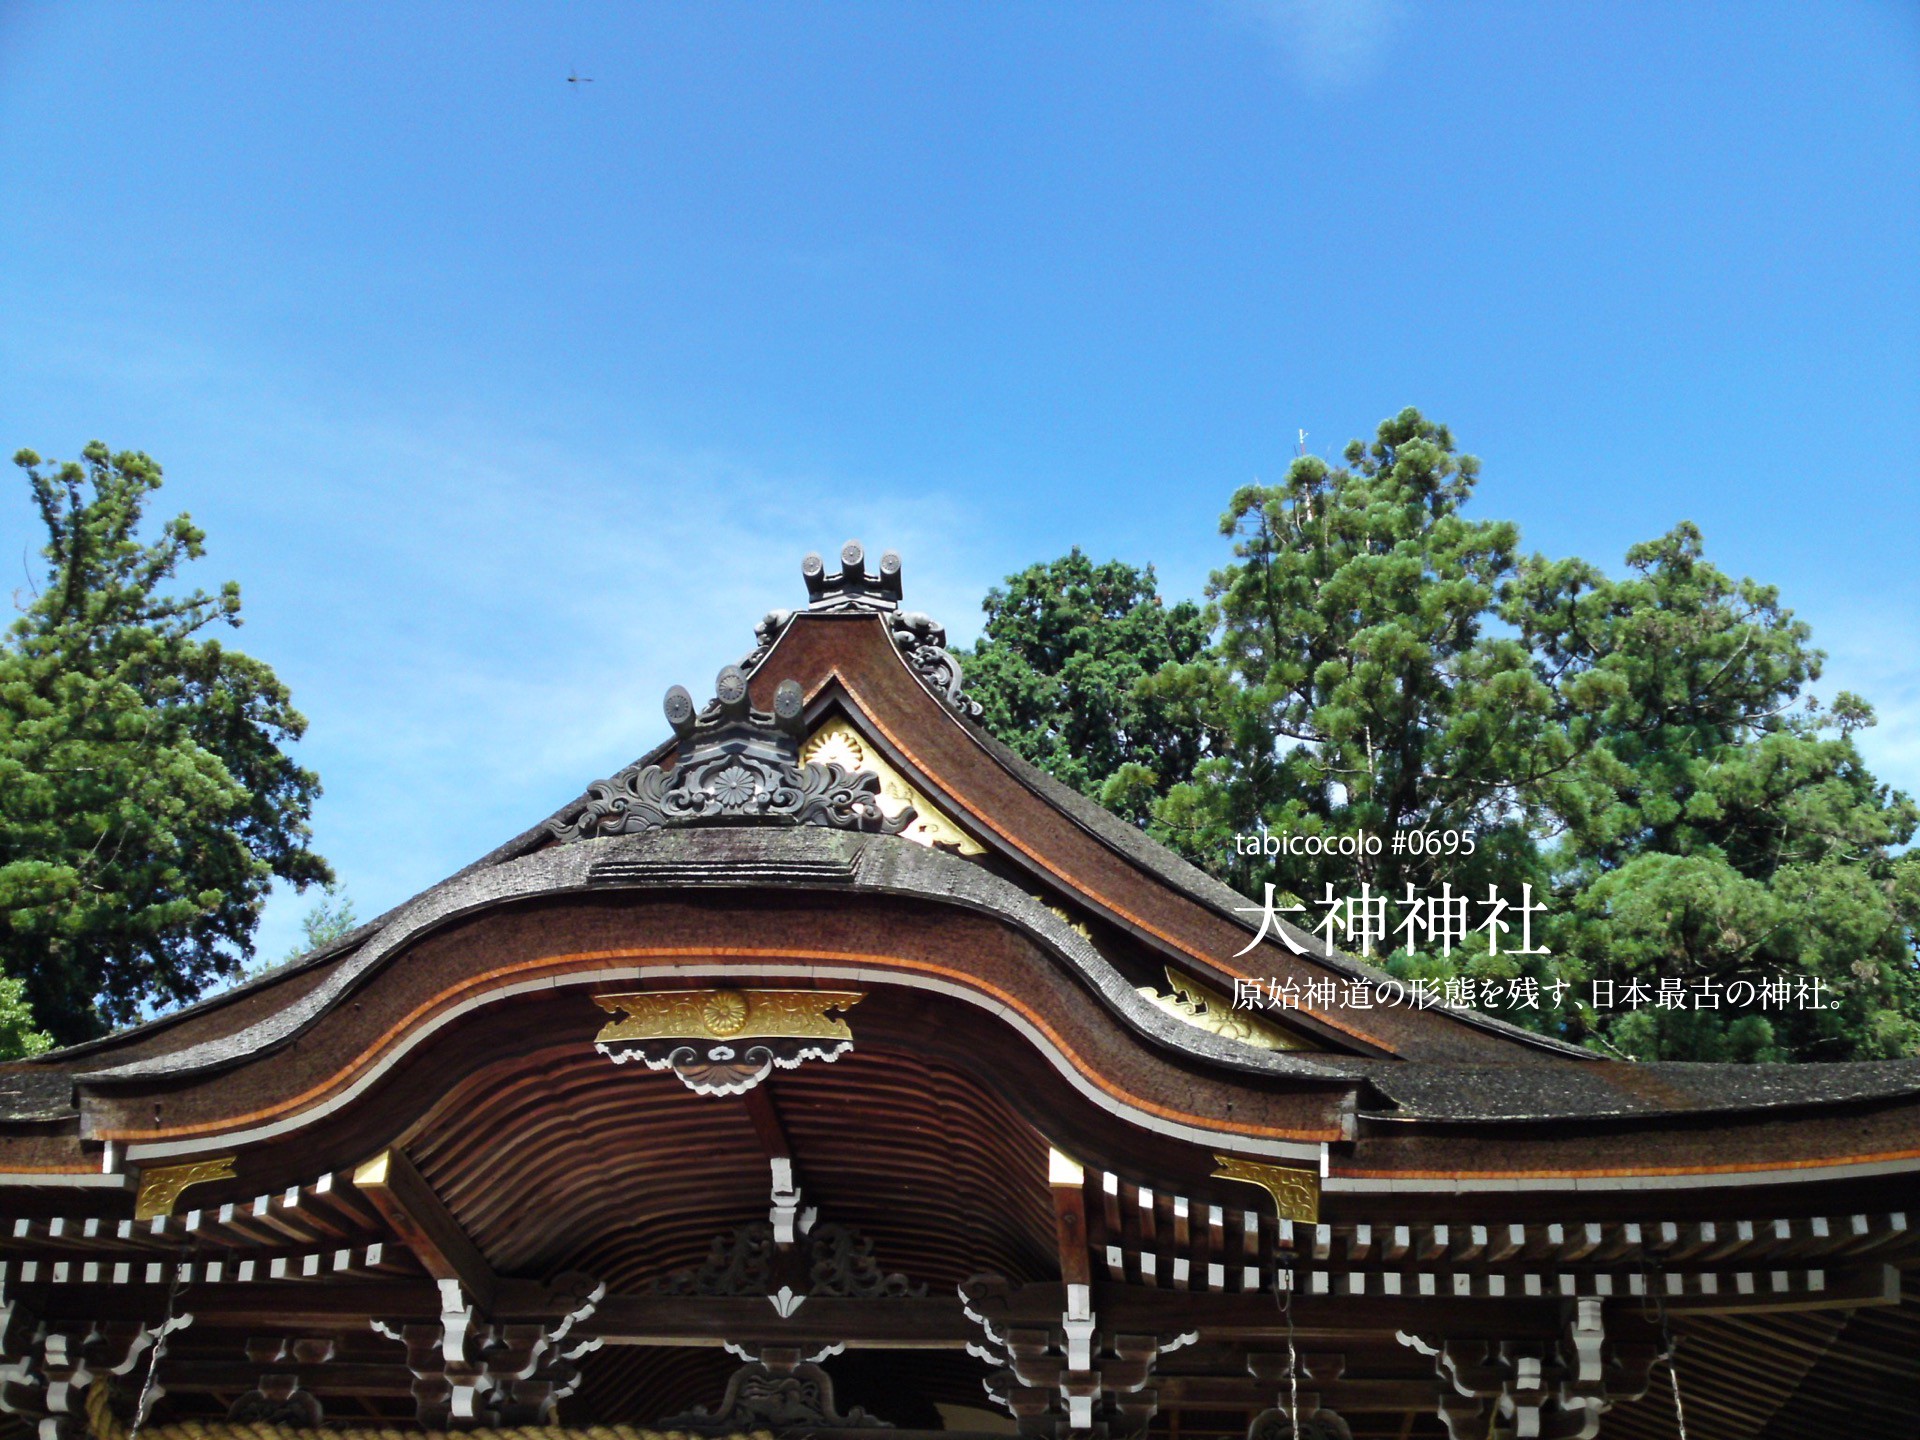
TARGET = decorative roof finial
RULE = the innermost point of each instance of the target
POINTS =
(921, 640)
(853, 588)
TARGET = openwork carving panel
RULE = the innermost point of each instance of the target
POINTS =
(783, 1391)
(836, 1261)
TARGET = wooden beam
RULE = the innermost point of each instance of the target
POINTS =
(186, 1372)
(269, 1305)
(1068, 1182)
(939, 1322)
(1753, 1292)
(766, 1123)
(418, 1216)
(193, 1373)
(1238, 1392)
(933, 1322)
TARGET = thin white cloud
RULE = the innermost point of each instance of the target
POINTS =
(479, 614)
(461, 720)
(1330, 43)
(1878, 658)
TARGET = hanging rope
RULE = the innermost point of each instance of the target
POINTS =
(1669, 1347)
(1672, 1349)
(145, 1402)
(1293, 1370)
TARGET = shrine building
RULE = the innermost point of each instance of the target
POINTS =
(831, 1071)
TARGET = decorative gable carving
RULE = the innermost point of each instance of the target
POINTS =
(1208, 1009)
(737, 766)
(838, 743)
(725, 1042)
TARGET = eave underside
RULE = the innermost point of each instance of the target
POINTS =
(548, 1160)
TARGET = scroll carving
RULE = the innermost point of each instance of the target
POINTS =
(45, 1373)
(1066, 1380)
(724, 1042)
(737, 765)
(842, 1264)
(765, 634)
(1296, 1193)
(1555, 1389)
(838, 742)
(1199, 1005)
(160, 1188)
(467, 1373)
(922, 643)
(732, 1015)
(837, 1261)
(780, 1391)
(743, 1263)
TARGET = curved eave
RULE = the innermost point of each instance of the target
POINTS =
(1445, 1068)
(1404, 1094)
(849, 661)
(687, 859)
(1106, 866)
(1617, 1090)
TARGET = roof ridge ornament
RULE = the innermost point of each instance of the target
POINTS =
(922, 643)
(920, 639)
(736, 766)
(853, 588)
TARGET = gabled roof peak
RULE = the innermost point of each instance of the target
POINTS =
(854, 590)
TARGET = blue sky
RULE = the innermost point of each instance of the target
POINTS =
(511, 402)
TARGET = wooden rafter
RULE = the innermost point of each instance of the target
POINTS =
(422, 1220)
(1067, 1179)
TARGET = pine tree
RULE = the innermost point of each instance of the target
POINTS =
(149, 801)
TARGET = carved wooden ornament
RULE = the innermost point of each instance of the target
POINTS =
(1296, 1193)
(724, 1042)
(160, 1188)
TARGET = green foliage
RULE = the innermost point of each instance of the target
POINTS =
(1720, 824)
(19, 1036)
(330, 917)
(1059, 671)
(1641, 751)
(148, 801)
(1354, 681)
